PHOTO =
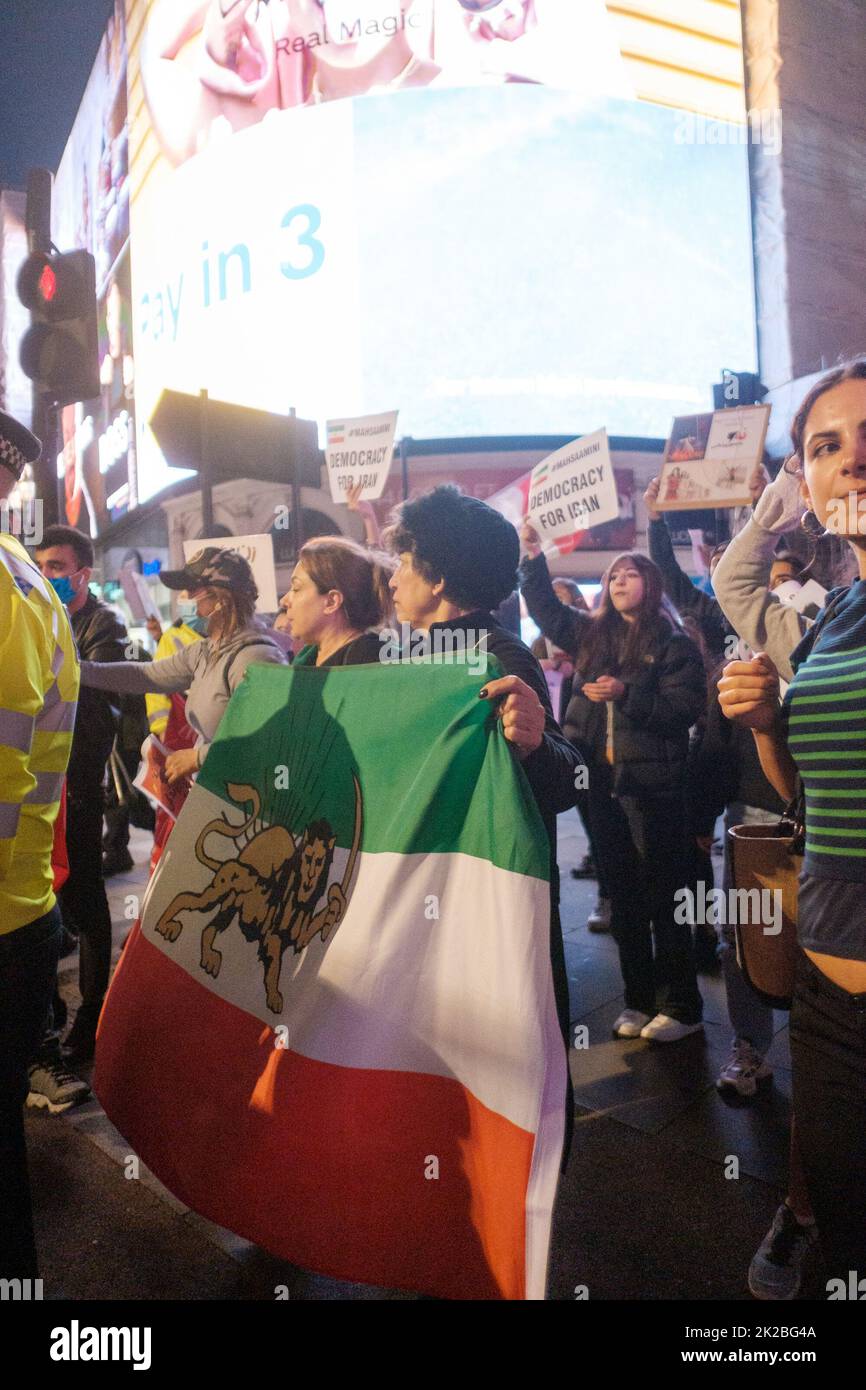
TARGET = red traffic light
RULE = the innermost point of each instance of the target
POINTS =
(48, 284)
(59, 351)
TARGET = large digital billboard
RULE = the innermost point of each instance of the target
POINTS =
(453, 208)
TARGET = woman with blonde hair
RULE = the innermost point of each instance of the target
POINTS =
(338, 601)
(221, 584)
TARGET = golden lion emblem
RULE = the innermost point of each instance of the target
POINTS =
(273, 887)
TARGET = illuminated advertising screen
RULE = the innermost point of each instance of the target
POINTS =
(90, 211)
(452, 209)
(458, 210)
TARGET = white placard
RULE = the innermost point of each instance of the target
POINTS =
(808, 598)
(360, 450)
(139, 596)
(573, 489)
(258, 551)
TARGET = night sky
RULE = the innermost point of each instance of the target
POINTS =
(47, 48)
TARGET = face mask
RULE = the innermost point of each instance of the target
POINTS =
(64, 588)
(197, 624)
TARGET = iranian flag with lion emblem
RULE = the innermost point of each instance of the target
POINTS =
(333, 1030)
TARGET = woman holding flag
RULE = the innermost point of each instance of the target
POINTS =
(457, 562)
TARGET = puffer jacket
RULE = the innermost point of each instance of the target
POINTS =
(652, 720)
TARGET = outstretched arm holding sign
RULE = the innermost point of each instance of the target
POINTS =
(564, 626)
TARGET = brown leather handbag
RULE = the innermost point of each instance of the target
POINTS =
(770, 857)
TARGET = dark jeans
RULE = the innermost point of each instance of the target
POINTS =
(83, 899)
(639, 841)
(28, 970)
(828, 1059)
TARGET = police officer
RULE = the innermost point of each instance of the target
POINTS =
(39, 677)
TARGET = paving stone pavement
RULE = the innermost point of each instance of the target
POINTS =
(645, 1209)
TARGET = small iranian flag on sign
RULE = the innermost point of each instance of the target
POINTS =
(336, 434)
(334, 1030)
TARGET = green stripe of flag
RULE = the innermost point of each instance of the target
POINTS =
(468, 793)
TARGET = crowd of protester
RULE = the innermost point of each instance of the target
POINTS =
(678, 704)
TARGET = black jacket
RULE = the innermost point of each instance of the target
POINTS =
(651, 722)
(100, 636)
(724, 766)
(551, 768)
(686, 596)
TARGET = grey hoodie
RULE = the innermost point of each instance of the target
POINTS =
(209, 675)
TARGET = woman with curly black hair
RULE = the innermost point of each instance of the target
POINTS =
(457, 562)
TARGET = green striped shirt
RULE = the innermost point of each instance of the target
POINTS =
(825, 715)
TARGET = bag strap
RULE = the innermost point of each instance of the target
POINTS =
(254, 640)
(794, 814)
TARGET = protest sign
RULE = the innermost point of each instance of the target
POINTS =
(573, 489)
(360, 451)
(710, 458)
(808, 598)
(258, 551)
(138, 595)
(151, 778)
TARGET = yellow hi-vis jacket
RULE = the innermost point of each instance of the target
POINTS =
(158, 706)
(39, 678)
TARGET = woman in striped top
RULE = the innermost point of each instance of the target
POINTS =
(819, 734)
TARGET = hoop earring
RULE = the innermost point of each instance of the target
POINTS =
(812, 526)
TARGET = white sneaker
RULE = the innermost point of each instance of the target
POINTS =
(630, 1023)
(745, 1072)
(664, 1029)
(599, 918)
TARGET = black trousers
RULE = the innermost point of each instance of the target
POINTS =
(582, 802)
(83, 899)
(828, 1059)
(28, 970)
(640, 842)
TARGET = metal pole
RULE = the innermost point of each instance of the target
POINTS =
(297, 527)
(205, 467)
(404, 465)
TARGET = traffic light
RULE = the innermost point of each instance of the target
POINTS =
(60, 350)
